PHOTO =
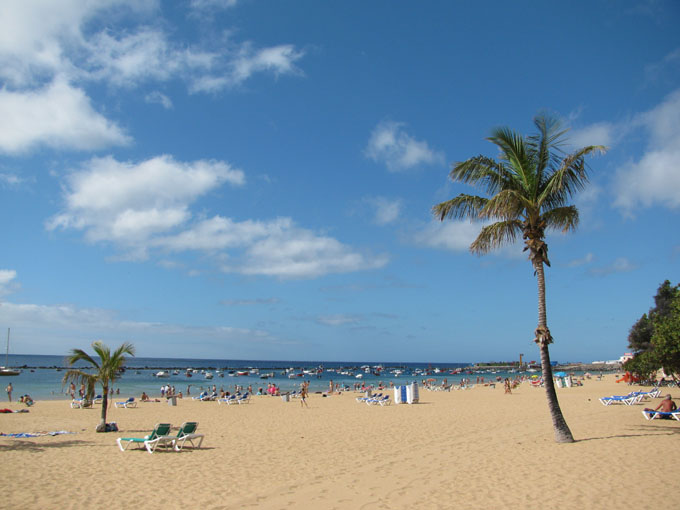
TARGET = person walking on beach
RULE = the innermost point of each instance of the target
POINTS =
(9, 391)
(303, 395)
(508, 388)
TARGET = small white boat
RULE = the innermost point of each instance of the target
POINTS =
(6, 370)
(208, 375)
(359, 376)
(162, 373)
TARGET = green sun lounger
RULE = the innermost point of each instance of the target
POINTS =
(187, 432)
(159, 436)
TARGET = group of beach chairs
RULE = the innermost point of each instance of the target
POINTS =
(160, 437)
(379, 399)
(634, 397)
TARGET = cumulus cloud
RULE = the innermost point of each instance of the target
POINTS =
(7, 277)
(300, 253)
(390, 144)
(57, 116)
(654, 179)
(147, 207)
(247, 61)
(130, 203)
(601, 133)
(51, 51)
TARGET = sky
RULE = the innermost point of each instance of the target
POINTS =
(240, 179)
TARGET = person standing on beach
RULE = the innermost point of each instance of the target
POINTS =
(9, 391)
(303, 395)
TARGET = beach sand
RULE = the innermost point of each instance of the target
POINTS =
(476, 448)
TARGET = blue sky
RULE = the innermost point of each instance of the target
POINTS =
(253, 180)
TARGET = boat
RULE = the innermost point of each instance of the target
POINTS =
(6, 370)
(162, 373)
(208, 375)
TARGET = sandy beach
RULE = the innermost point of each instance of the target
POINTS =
(476, 448)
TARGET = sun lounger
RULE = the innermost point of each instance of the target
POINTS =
(97, 400)
(131, 402)
(227, 400)
(384, 401)
(628, 400)
(364, 399)
(80, 403)
(187, 432)
(159, 436)
(244, 399)
(651, 415)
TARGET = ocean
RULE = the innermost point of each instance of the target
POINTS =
(41, 376)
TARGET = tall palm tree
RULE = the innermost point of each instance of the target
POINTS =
(106, 371)
(528, 189)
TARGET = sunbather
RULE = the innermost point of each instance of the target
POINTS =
(666, 406)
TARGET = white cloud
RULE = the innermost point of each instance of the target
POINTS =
(129, 203)
(299, 253)
(620, 265)
(338, 320)
(65, 326)
(587, 259)
(601, 133)
(391, 145)
(57, 116)
(449, 235)
(50, 51)
(159, 98)
(6, 280)
(386, 210)
(654, 179)
(213, 4)
(245, 62)
(146, 207)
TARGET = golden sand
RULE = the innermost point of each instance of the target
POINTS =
(467, 449)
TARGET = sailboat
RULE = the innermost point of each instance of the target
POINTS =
(5, 370)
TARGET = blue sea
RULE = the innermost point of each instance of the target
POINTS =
(41, 376)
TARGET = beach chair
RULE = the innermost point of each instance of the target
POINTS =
(383, 401)
(80, 403)
(97, 399)
(244, 399)
(130, 402)
(227, 400)
(628, 400)
(187, 432)
(364, 399)
(158, 437)
(651, 415)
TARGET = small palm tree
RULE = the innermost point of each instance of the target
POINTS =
(528, 188)
(105, 372)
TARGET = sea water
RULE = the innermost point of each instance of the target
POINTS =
(41, 376)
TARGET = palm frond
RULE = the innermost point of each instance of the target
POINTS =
(80, 355)
(562, 218)
(462, 206)
(506, 204)
(496, 235)
(480, 171)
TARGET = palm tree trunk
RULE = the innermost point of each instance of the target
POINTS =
(105, 404)
(543, 338)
